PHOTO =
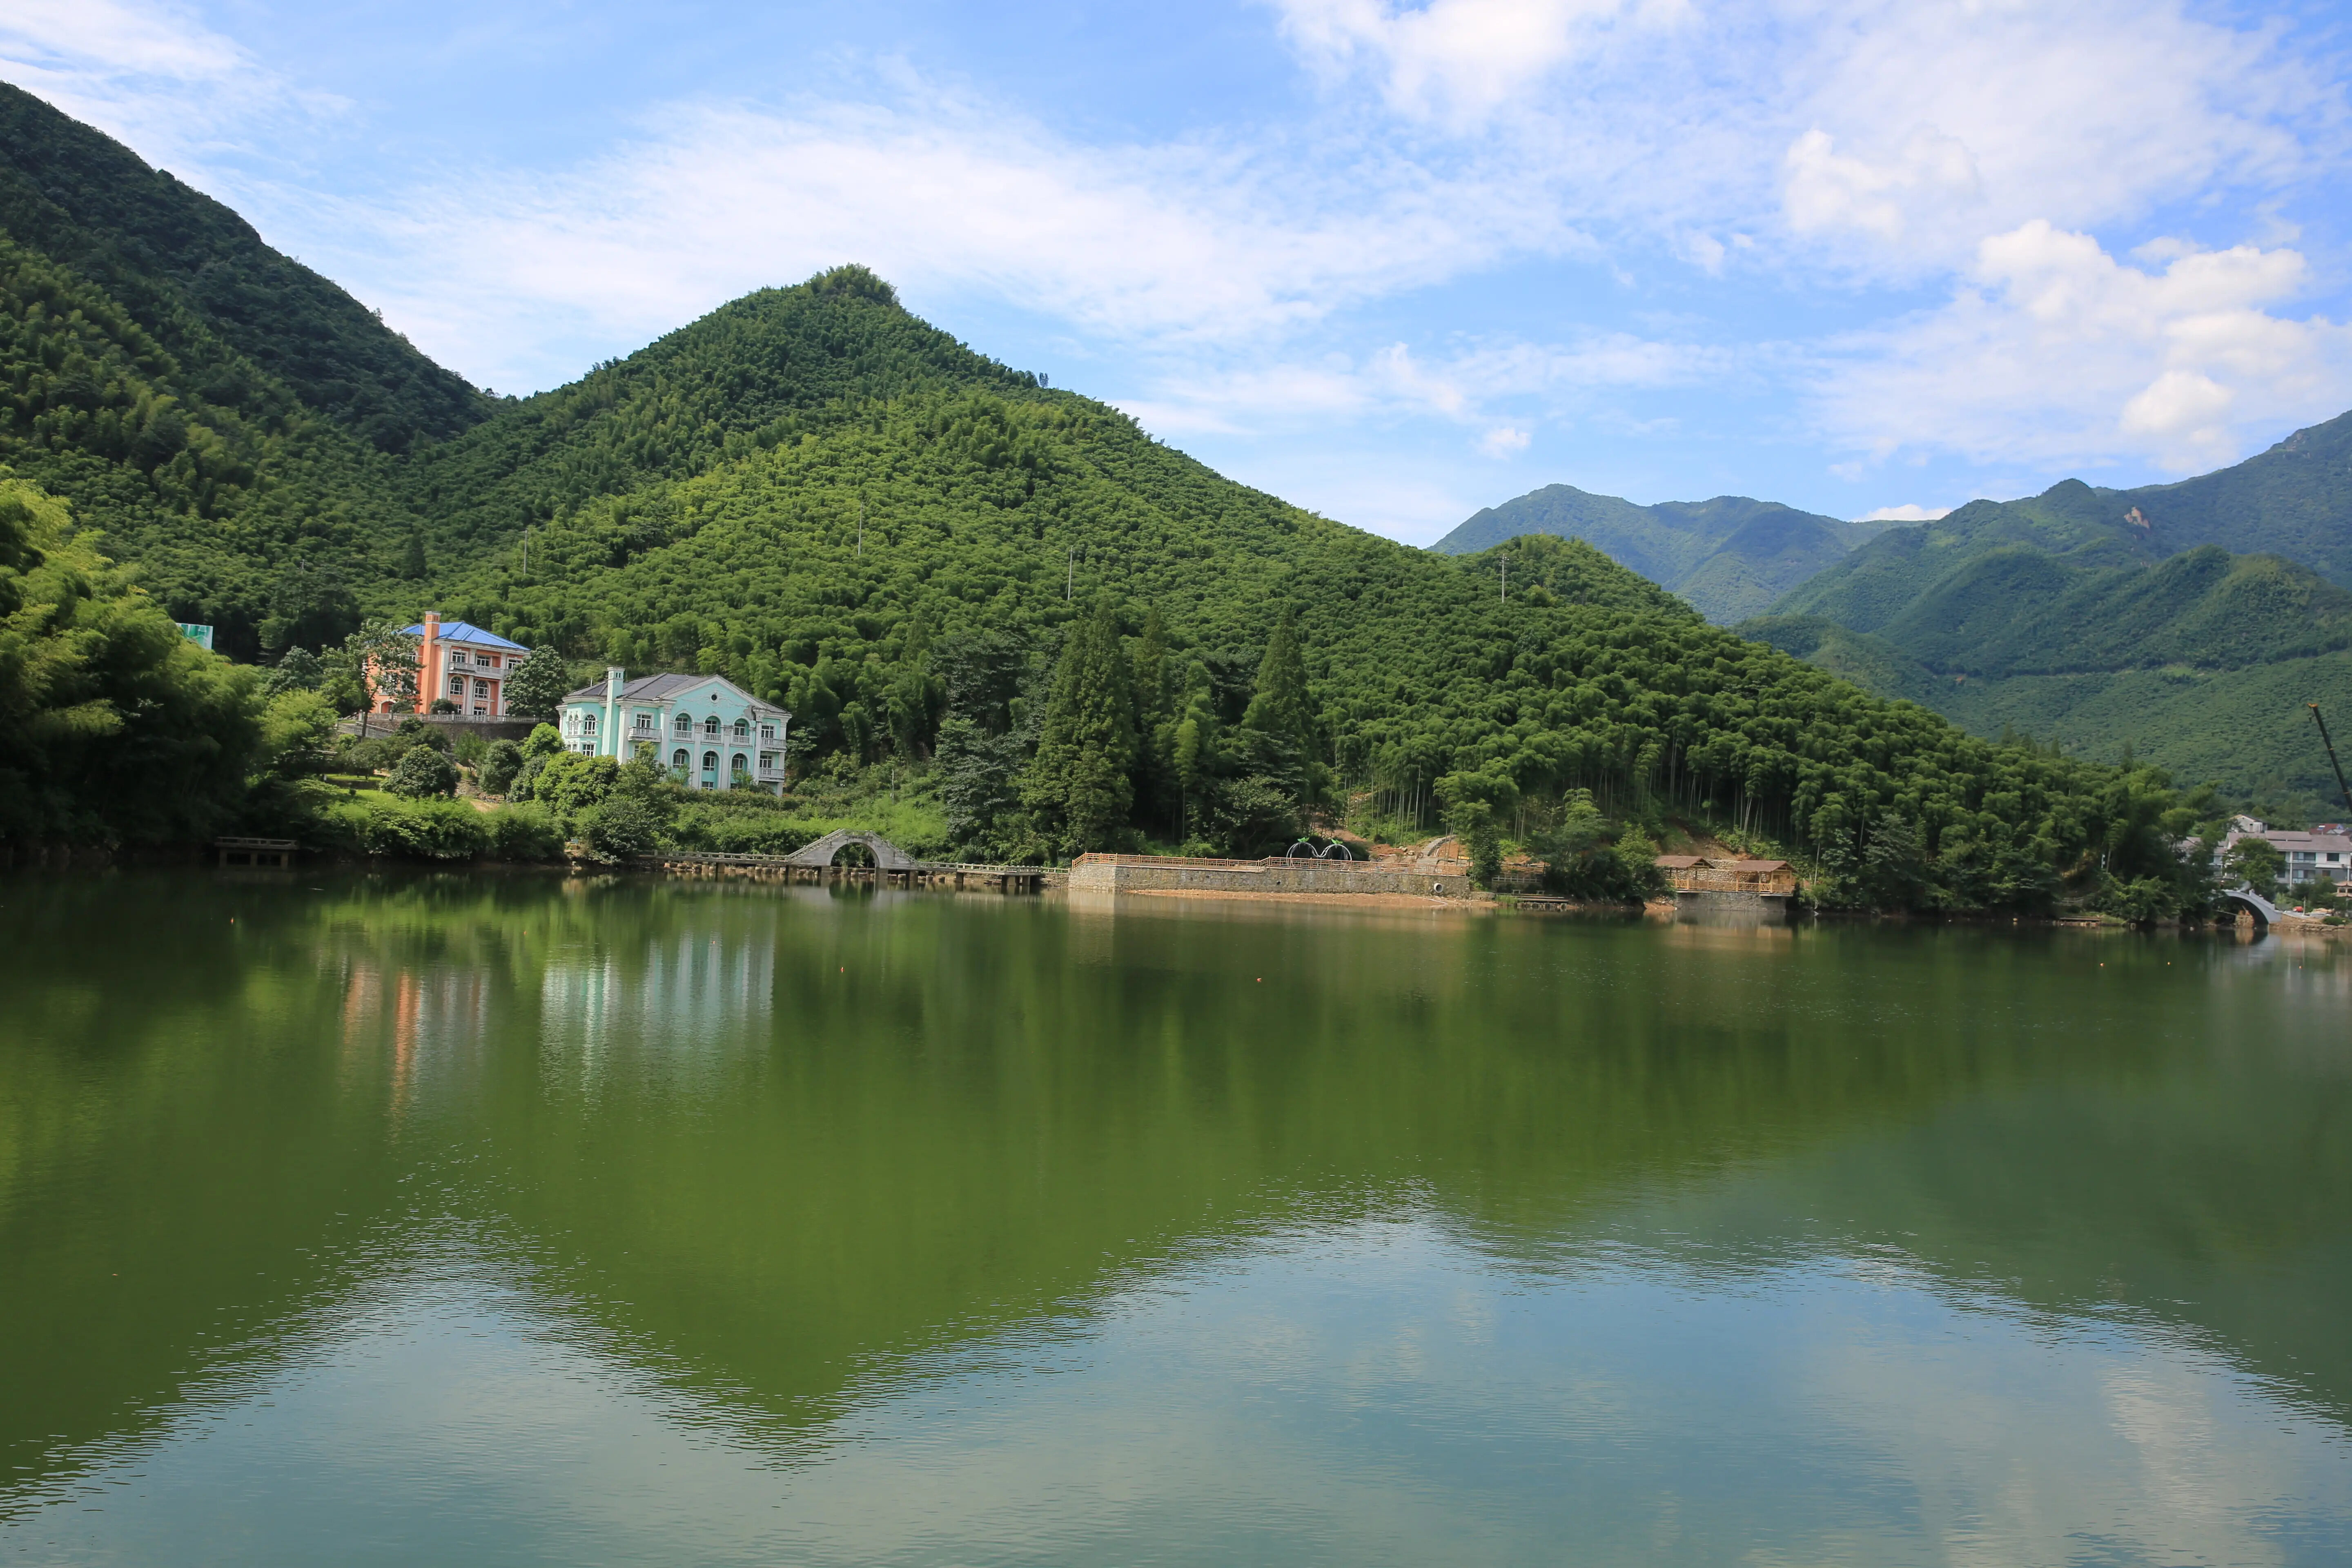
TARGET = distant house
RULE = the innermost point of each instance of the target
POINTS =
(2324, 852)
(708, 732)
(458, 661)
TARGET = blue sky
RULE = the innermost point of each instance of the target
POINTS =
(1394, 262)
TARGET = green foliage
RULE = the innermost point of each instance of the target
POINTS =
(1587, 855)
(501, 760)
(623, 824)
(1079, 783)
(423, 772)
(427, 829)
(2258, 862)
(113, 725)
(538, 684)
(524, 832)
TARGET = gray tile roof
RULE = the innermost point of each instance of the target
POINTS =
(666, 688)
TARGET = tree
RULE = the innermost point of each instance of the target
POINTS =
(1281, 706)
(537, 686)
(499, 766)
(412, 560)
(424, 773)
(1079, 781)
(382, 657)
(299, 670)
(2258, 862)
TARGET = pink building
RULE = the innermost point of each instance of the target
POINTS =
(462, 663)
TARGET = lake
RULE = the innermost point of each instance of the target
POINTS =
(431, 1219)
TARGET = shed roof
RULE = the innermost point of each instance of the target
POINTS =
(1756, 867)
(1683, 862)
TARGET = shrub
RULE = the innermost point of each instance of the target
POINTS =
(524, 833)
(468, 749)
(424, 773)
(624, 824)
(501, 760)
(409, 830)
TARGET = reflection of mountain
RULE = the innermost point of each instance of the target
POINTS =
(824, 1134)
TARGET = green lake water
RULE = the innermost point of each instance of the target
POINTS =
(518, 1220)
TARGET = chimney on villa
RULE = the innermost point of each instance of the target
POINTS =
(428, 662)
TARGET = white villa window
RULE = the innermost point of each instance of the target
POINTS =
(767, 762)
(685, 726)
(742, 729)
(711, 725)
(480, 709)
(587, 723)
(646, 722)
(767, 732)
(481, 688)
(457, 656)
(491, 659)
(679, 760)
(710, 761)
(456, 686)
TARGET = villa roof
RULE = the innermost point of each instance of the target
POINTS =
(669, 688)
(467, 631)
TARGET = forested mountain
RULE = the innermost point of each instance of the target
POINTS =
(1077, 636)
(2073, 617)
(226, 416)
(1732, 556)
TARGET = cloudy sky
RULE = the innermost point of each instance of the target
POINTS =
(1392, 261)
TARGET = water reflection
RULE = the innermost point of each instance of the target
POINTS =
(1218, 1230)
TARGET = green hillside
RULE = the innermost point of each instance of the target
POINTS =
(1732, 556)
(226, 417)
(2054, 617)
(1004, 594)
(2295, 499)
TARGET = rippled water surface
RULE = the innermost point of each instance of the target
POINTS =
(375, 1220)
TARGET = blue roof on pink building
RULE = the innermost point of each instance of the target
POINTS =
(467, 631)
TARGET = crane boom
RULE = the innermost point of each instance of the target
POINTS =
(2340, 786)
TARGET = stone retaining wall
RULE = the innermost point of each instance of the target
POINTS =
(1168, 873)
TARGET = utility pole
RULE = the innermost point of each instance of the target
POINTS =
(2340, 788)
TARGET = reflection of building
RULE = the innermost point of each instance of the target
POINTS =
(694, 989)
(710, 732)
(462, 664)
(429, 1012)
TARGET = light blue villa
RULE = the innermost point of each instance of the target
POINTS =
(710, 732)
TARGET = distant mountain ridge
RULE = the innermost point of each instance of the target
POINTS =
(1730, 557)
(2107, 618)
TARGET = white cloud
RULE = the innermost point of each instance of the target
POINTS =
(2052, 350)
(1504, 441)
(1188, 242)
(1908, 512)
(153, 75)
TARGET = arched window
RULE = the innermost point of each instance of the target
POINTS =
(587, 723)
(685, 726)
(742, 767)
(711, 725)
(710, 761)
(680, 761)
(742, 729)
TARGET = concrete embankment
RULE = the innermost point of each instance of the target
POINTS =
(1259, 878)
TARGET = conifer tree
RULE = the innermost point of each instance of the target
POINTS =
(1080, 783)
(1282, 709)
